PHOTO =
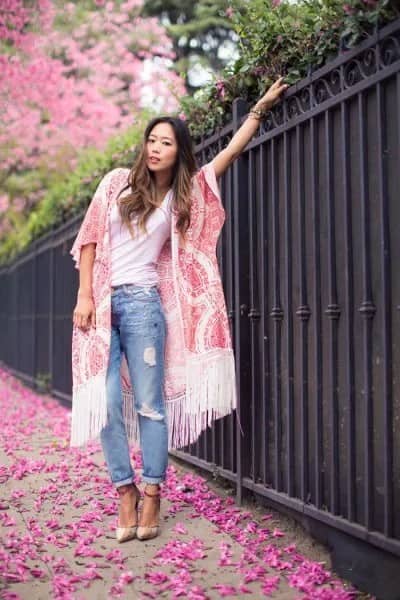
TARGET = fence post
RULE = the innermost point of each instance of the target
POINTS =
(51, 311)
(241, 298)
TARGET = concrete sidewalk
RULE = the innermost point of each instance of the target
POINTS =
(58, 512)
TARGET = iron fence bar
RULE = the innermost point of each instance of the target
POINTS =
(303, 312)
(333, 313)
(263, 303)
(349, 320)
(386, 313)
(233, 279)
(317, 320)
(241, 301)
(221, 264)
(252, 267)
(277, 316)
(367, 310)
(287, 170)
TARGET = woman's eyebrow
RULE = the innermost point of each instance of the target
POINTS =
(163, 137)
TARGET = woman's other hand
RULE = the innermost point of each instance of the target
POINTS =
(272, 96)
(84, 315)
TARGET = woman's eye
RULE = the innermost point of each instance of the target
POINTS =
(164, 143)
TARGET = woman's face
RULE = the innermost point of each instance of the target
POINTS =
(161, 148)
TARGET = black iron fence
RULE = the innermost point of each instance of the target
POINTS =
(309, 258)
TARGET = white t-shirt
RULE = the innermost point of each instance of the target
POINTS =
(135, 260)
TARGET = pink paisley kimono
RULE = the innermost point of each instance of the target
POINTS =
(199, 383)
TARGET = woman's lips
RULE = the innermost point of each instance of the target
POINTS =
(154, 160)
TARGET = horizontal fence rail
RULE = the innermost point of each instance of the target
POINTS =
(309, 259)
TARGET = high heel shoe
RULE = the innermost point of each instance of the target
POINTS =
(147, 533)
(123, 534)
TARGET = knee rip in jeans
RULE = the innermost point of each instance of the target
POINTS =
(149, 356)
(147, 411)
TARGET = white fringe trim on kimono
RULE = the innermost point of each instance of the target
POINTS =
(89, 410)
(210, 394)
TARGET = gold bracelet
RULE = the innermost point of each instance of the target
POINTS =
(257, 111)
(252, 115)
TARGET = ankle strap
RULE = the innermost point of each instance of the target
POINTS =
(123, 489)
(146, 493)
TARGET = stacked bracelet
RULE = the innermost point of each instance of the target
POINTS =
(257, 113)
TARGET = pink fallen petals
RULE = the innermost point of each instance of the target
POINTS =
(92, 573)
(197, 593)
(62, 585)
(18, 494)
(179, 583)
(277, 533)
(179, 528)
(37, 572)
(115, 556)
(156, 577)
(91, 516)
(225, 555)
(254, 574)
(26, 466)
(52, 524)
(148, 594)
(6, 520)
(225, 590)
(177, 552)
(269, 585)
(84, 550)
(10, 577)
(307, 576)
(251, 527)
(243, 589)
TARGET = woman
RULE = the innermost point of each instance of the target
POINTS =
(151, 351)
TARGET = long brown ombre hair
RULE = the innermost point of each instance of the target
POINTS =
(141, 202)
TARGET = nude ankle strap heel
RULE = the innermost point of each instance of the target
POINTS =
(147, 533)
(123, 534)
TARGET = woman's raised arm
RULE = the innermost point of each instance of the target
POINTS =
(244, 134)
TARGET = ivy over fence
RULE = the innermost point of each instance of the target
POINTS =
(281, 37)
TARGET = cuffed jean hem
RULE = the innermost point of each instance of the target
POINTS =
(123, 482)
(153, 480)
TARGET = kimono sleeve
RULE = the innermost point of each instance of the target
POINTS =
(208, 183)
(91, 225)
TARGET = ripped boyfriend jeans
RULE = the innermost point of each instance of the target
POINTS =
(138, 329)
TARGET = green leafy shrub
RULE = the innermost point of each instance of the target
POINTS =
(282, 38)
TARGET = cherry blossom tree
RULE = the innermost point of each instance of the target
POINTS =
(70, 79)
